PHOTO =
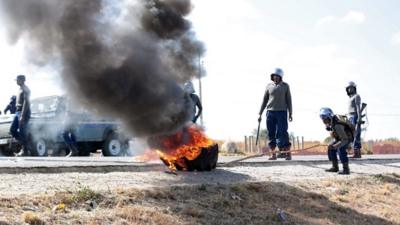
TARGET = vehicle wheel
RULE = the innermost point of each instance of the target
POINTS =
(113, 146)
(39, 147)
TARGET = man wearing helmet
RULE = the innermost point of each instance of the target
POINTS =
(278, 101)
(189, 89)
(355, 116)
(340, 141)
(11, 107)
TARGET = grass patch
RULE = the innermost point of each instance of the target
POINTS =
(366, 200)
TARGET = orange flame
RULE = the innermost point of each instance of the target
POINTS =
(184, 144)
(147, 156)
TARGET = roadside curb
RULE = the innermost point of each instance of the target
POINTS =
(303, 162)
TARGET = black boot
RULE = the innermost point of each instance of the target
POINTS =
(335, 167)
(288, 154)
(346, 169)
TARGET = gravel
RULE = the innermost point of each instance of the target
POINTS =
(13, 185)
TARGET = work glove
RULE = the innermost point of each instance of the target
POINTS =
(331, 147)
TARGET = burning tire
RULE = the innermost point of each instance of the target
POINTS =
(206, 161)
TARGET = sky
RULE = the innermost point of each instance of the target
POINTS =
(320, 45)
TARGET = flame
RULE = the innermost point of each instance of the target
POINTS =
(147, 156)
(187, 143)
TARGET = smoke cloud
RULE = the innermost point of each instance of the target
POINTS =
(127, 59)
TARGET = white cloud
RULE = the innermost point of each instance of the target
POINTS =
(352, 17)
(396, 39)
(326, 20)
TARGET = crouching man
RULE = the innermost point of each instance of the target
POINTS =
(340, 143)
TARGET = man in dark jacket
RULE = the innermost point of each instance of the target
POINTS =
(278, 101)
(341, 140)
(12, 105)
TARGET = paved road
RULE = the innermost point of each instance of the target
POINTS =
(109, 174)
(126, 164)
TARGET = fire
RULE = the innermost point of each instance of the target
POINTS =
(147, 156)
(184, 145)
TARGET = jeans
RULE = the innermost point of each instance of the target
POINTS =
(70, 140)
(277, 126)
(357, 136)
(17, 131)
(332, 154)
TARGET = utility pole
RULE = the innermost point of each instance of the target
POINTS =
(201, 63)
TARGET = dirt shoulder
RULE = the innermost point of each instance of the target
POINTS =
(364, 200)
(305, 194)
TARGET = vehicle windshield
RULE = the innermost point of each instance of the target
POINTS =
(44, 105)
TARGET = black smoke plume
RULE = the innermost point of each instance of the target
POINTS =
(125, 58)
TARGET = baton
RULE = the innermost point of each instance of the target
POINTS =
(258, 132)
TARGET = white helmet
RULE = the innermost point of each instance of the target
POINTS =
(278, 72)
(351, 84)
(188, 88)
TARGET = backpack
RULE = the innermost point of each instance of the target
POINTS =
(349, 128)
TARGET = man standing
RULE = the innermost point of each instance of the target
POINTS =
(278, 101)
(355, 116)
(189, 89)
(22, 116)
(12, 105)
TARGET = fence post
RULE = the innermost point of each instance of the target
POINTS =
(302, 142)
(298, 142)
(245, 144)
(293, 143)
(251, 144)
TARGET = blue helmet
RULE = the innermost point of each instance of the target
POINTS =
(326, 113)
(278, 72)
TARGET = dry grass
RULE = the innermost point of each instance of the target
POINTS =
(367, 200)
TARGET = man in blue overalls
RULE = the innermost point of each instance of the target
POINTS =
(22, 116)
(278, 101)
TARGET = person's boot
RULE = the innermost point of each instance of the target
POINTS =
(73, 151)
(23, 152)
(289, 154)
(334, 168)
(346, 169)
(273, 157)
(356, 154)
